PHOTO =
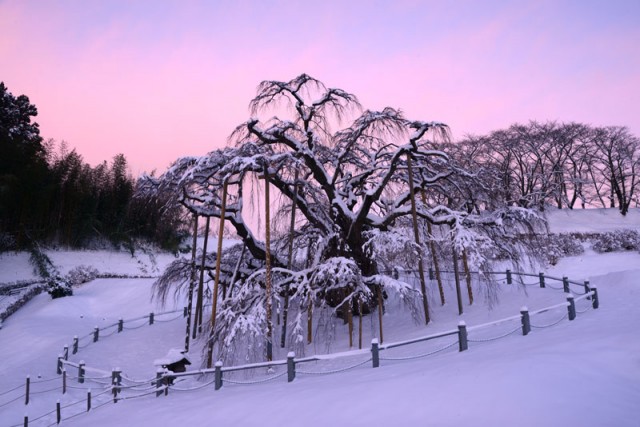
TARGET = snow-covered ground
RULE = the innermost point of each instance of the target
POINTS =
(585, 372)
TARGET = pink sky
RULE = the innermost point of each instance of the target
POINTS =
(156, 80)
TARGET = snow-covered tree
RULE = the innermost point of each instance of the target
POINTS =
(351, 189)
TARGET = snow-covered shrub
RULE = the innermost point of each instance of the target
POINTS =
(59, 287)
(81, 274)
(556, 246)
(619, 240)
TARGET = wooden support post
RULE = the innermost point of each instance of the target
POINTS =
(218, 375)
(509, 277)
(192, 281)
(292, 224)
(199, 299)
(350, 322)
(291, 366)
(65, 352)
(587, 289)
(88, 400)
(151, 318)
(96, 334)
(595, 300)
(216, 281)
(120, 325)
(375, 352)
(268, 287)
(526, 321)
(310, 322)
(416, 235)
(456, 276)
(467, 274)
(26, 420)
(541, 276)
(116, 381)
(434, 255)
(58, 414)
(565, 284)
(59, 365)
(572, 307)
(64, 381)
(380, 312)
(463, 343)
(74, 349)
(360, 315)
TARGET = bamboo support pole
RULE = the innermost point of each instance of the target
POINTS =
(216, 282)
(414, 217)
(268, 289)
(199, 302)
(192, 281)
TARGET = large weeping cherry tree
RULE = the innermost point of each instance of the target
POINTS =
(355, 191)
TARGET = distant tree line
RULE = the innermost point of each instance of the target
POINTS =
(561, 165)
(49, 194)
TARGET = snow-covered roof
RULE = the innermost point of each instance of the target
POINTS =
(174, 355)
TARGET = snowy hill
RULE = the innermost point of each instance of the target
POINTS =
(583, 372)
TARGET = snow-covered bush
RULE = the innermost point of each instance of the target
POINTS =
(556, 246)
(59, 287)
(619, 240)
(81, 274)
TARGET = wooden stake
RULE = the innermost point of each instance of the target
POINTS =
(380, 312)
(267, 234)
(292, 224)
(350, 320)
(310, 322)
(436, 264)
(467, 273)
(192, 281)
(216, 281)
(199, 302)
(456, 274)
(360, 322)
(416, 234)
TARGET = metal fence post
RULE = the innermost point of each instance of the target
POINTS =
(59, 365)
(587, 288)
(526, 322)
(375, 352)
(116, 380)
(291, 366)
(184, 312)
(75, 345)
(64, 381)
(66, 352)
(151, 318)
(218, 375)
(595, 300)
(431, 275)
(159, 381)
(27, 389)
(58, 415)
(88, 400)
(81, 372)
(541, 276)
(572, 307)
(565, 284)
(509, 278)
(120, 325)
(96, 334)
(462, 336)
(26, 420)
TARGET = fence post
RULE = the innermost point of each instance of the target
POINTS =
(81, 372)
(75, 344)
(462, 335)
(88, 400)
(58, 417)
(115, 383)
(66, 352)
(595, 300)
(375, 352)
(159, 381)
(587, 288)
(565, 284)
(27, 389)
(509, 278)
(218, 375)
(64, 381)
(291, 366)
(151, 318)
(572, 307)
(541, 275)
(526, 322)
(431, 275)
(96, 334)
(26, 420)
(59, 365)
(184, 312)
(120, 325)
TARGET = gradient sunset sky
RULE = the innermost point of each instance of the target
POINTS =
(156, 80)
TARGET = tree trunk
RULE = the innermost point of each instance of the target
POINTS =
(467, 275)
(199, 302)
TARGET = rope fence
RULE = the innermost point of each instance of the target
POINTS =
(121, 387)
